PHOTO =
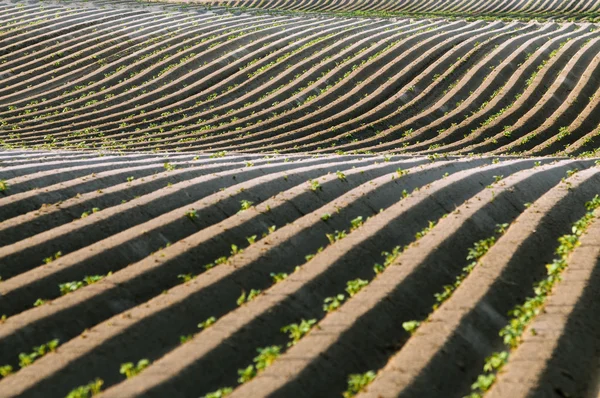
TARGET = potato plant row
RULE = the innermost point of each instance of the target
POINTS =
(131, 77)
(300, 275)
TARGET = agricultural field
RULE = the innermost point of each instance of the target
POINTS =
(324, 198)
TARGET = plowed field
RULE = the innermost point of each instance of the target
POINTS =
(207, 200)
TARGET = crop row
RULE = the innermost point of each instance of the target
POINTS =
(151, 80)
(306, 275)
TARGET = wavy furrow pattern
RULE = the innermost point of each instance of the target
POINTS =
(266, 198)
(573, 9)
(186, 262)
(131, 79)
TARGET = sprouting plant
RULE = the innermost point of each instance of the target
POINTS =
(129, 179)
(356, 223)
(69, 287)
(411, 326)
(266, 356)
(220, 393)
(297, 331)
(498, 178)
(186, 277)
(278, 277)
(39, 302)
(38, 352)
(191, 214)
(89, 390)
(425, 230)
(56, 256)
(522, 315)
(354, 286)
(168, 166)
(87, 213)
(401, 172)
(337, 235)
(314, 185)
(325, 216)
(246, 204)
(129, 369)
(251, 239)
(220, 154)
(247, 298)
(333, 303)
(341, 176)
(6, 370)
(185, 338)
(207, 323)
(246, 374)
(3, 186)
(357, 383)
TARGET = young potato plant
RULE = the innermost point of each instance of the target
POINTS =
(192, 214)
(358, 382)
(247, 298)
(88, 390)
(49, 259)
(522, 315)
(220, 393)
(130, 369)
(266, 356)
(475, 253)
(297, 331)
(38, 352)
(68, 287)
(207, 323)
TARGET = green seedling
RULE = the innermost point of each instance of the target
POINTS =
(130, 370)
(333, 303)
(87, 391)
(297, 331)
(207, 323)
(358, 382)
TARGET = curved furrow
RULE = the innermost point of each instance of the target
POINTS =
(251, 86)
(215, 240)
(233, 81)
(564, 83)
(53, 28)
(314, 72)
(150, 89)
(577, 132)
(539, 82)
(364, 328)
(312, 80)
(489, 108)
(559, 351)
(109, 75)
(476, 311)
(401, 122)
(566, 102)
(152, 212)
(68, 53)
(407, 81)
(341, 92)
(147, 55)
(301, 293)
